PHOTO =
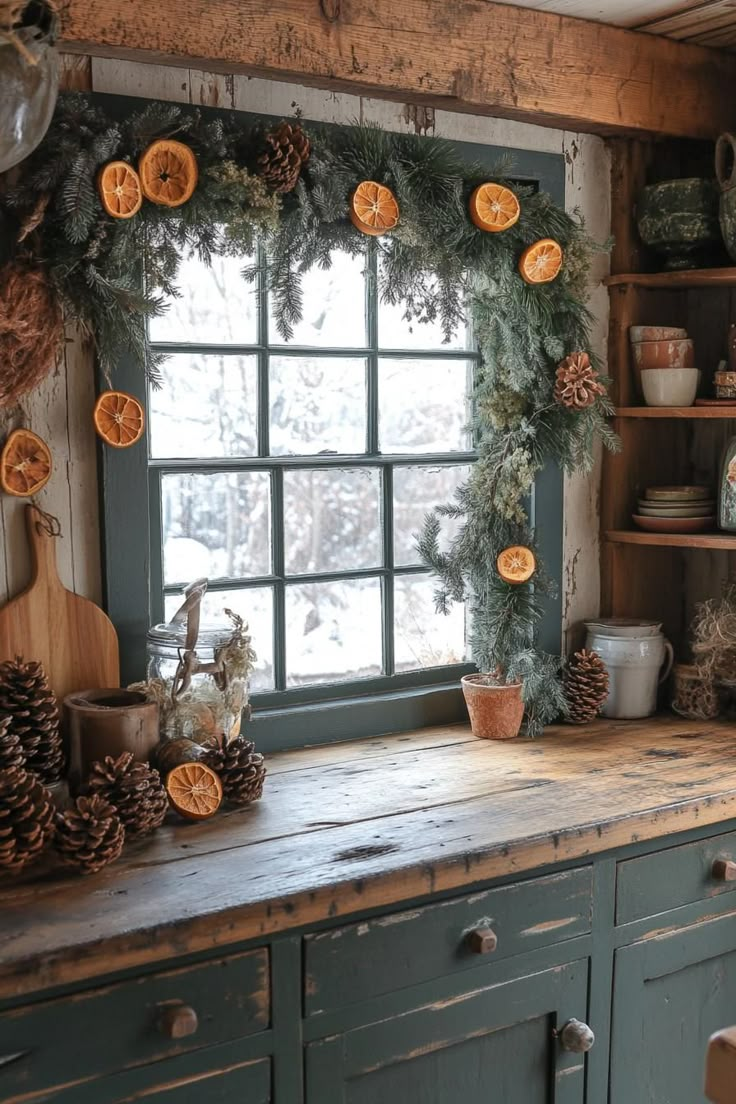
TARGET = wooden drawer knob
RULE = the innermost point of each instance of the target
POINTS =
(724, 870)
(577, 1037)
(177, 1021)
(482, 940)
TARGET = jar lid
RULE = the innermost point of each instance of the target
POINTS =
(173, 634)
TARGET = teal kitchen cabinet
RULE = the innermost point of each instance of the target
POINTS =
(671, 992)
(494, 1043)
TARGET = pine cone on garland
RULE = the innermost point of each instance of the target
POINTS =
(26, 818)
(134, 790)
(11, 752)
(286, 152)
(586, 686)
(26, 697)
(89, 835)
(241, 770)
(577, 385)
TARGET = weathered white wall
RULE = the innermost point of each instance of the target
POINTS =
(60, 411)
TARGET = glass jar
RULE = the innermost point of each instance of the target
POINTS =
(199, 674)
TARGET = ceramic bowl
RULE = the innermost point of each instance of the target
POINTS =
(706, 510)
(674, 525)
(666, 493)
(656, 333)
(670, 386)
(650, 355)
(623, 627)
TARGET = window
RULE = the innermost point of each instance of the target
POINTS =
(295, 474)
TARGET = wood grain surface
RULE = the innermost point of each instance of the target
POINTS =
(70, 635)
(495, 59)
(364, 825)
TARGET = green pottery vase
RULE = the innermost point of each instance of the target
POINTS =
(679, 220)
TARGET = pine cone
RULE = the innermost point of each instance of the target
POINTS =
(11, 752)
(241, 771)
(585, 686)
(577, 385)
(89, 835)
(26, 697)
(286, 151)
(26, 818)
(134, 790)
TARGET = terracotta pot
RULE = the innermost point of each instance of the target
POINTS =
(108, 722)
(656, 355)
(496, 710)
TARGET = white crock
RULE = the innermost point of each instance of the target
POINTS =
(635, 667)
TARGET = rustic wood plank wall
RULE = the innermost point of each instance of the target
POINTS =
(61, 410)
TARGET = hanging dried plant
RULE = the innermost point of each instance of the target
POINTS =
(31, 329)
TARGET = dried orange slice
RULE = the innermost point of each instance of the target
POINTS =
(516, 564)
(541, 262)
(25, 464)
(118, 419)
(168, 172)
(120, 189)
(494, 208)
(194, 790)
(374, 208)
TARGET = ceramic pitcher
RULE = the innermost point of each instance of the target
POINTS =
(636, 666)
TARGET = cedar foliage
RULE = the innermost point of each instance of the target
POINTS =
(436, 264)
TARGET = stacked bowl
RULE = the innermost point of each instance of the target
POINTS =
(664, 364)
(676, 510)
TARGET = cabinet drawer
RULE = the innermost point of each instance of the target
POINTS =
(677, 876)
(90, 1034)
(365, 960)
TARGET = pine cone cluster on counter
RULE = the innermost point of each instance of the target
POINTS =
(89, 835)
(586, 685)
(134, 790)
(241, 770)
(25, 697)
(26, 818)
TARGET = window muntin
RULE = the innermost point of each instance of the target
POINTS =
(295, 472)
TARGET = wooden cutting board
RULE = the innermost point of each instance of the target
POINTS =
(71, 636)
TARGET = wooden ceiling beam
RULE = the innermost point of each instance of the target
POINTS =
(469, 55)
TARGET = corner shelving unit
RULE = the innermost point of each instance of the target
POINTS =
(661, 575)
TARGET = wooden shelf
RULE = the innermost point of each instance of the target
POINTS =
(676, 411)
(677, 281)
(725, 542)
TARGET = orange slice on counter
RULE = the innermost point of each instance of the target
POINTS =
(541, 262)
(494, 208)
(119, 419)
(168, 172)
(516, 564)
(194, 790)
(25, 464)
(120, 189)
(374, 208)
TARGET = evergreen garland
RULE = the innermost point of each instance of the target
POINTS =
(436, 264)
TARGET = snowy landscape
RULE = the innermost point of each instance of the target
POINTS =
(220, 524)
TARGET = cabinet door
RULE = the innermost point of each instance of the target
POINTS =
(497, 1043)
(670, 994)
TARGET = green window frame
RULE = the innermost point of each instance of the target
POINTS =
(132, 515)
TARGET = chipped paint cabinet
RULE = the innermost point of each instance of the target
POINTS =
(670, 994)
(495, 1042)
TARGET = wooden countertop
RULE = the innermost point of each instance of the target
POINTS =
(348, 827)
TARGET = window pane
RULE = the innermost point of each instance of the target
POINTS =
(394, 332)
(423, 405)
(332, 519)
(424, 638)
(217, 525)
(255, 605)
(217, 306)
(318, 404)
(417, 490)
(333, 631)
(333, 315)
(206, 407)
